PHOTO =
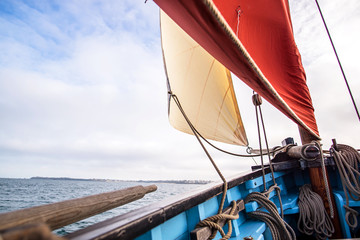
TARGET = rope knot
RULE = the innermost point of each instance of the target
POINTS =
(212, 222)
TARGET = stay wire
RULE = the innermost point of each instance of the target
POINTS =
(338, 60)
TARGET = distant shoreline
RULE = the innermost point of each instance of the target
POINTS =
(113, 180)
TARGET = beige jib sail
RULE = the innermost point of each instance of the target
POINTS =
(203, 86)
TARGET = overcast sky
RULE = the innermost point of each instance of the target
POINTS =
(83, 91)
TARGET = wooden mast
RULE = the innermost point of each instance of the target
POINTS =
(318, 185)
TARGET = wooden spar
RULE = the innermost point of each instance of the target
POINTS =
(60, 214)
(308, 151)
(318, 185)
(38, 231)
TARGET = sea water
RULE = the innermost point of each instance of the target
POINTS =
(23, 193)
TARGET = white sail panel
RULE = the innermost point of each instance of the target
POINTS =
(203, 86)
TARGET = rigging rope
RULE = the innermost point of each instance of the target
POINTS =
(273, 151)
(278, 227)
(257, 102)
(327, 188)
(347, 160)
(312, 214)
(195, 132)
(337, 57)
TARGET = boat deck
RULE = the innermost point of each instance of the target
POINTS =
(176, 218)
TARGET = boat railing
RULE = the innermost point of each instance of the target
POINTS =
(40, 220)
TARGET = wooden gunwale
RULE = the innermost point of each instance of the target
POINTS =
(139, 221)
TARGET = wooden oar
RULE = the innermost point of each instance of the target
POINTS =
(57, 215)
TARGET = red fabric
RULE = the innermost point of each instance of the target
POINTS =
(265, 31)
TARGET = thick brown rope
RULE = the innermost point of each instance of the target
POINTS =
(326, 181)
(212, 222)
(176, 100)
(280, 230)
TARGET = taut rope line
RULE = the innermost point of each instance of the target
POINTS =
(195, 132)
(257, 102)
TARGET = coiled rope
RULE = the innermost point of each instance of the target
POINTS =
(312, 214)
(326, 182)
(347, 160)
(279, 228)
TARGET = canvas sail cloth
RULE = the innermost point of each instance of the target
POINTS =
(202, 85)
(254, 40)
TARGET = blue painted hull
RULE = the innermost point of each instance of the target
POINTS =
(180, 226)
(167, 221)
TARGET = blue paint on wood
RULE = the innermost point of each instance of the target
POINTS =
(174, 227)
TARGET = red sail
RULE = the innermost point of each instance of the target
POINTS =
(254, 40)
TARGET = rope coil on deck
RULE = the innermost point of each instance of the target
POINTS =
(312, 215)
(212, 222)
(278, 227)
(347, 160)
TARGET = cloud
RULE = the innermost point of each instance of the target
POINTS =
(334, 111)
(83, 92)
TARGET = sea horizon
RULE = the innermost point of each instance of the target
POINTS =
(21, 193)
(182, 181)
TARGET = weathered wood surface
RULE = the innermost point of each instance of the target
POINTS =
(60, 214)
(30, 232)
(205, 232)
(139, 221)
(307, 151)
(318, 186)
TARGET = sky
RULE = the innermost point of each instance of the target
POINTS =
(83, 91)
